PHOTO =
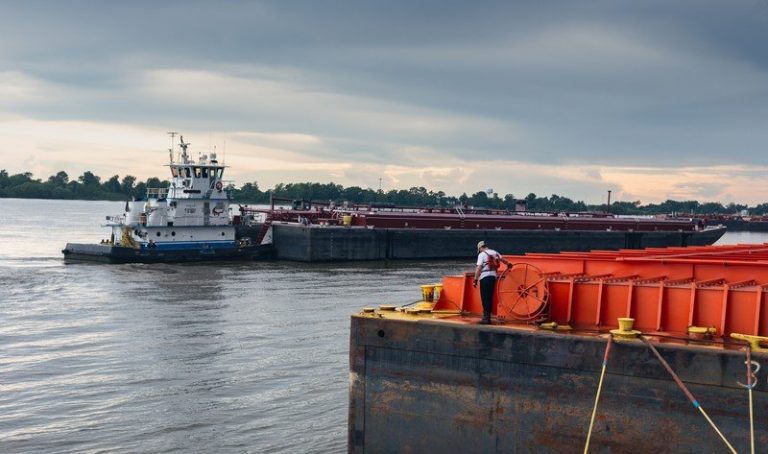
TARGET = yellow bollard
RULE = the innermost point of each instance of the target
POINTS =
(427, 291)
(625, 330)
(436, 294)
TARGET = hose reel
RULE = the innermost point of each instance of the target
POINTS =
(522, 294)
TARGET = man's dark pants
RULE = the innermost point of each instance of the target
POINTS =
(487, 288)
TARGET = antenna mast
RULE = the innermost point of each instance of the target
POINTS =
(170, 150)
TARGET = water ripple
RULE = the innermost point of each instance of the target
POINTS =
(176, 358)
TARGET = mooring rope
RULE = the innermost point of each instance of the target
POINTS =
(411, 304)
(749, 388)
(599, 389)
(686, 392)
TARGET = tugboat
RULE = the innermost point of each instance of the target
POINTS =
(187, 222)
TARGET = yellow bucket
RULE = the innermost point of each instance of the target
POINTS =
(436, 293)
(346, 220)
(427, 291)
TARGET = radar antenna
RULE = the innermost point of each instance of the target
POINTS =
(183, 146)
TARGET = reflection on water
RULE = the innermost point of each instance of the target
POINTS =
(743, 237)
(160, 358)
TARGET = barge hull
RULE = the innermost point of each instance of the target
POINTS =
(324, 244)
(450, 386)
(106, 253)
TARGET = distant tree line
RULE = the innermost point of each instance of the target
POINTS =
(86, 187)
(91, 187)
(420, 196)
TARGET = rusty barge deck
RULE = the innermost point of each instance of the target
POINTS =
(428, 378)
(455, 386)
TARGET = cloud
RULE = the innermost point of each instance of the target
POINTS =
(649, 99)
(19, 88)
(697, 190)
(270, 104)
(108, 149)
(732, 183)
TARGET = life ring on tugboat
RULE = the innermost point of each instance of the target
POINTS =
(219, 185)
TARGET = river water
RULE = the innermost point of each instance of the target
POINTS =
(240, 357)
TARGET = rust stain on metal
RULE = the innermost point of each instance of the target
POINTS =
(434, 387)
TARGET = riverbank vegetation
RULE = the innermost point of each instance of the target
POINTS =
(92, 187)
(85, 187)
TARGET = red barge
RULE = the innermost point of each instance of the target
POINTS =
(687, 375)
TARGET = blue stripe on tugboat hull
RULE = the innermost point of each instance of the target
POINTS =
(182, 253)
(435, 386)
(192, 245)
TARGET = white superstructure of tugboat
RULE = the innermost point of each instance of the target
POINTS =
(188, 221)
(192, 213)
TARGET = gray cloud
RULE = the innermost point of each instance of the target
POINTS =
(602, 83)
(702, 191)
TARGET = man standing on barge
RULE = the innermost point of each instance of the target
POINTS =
(485, 272)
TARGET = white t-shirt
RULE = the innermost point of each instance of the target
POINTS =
(482, 261)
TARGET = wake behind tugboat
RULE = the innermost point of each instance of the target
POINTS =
(187, 222)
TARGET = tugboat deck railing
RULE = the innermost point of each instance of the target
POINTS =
(158, 193)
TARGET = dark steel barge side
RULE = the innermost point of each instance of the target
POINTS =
(315, 243)
(454, 386)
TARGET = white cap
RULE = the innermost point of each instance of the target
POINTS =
(480, 245)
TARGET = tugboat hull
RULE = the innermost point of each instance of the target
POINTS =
(107, 253)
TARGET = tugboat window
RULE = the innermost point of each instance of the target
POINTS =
(186, 171)
(173, 233)
(158, 233)
(197, 172)
(205, 173)
(174, 171)
(219, 172)
(222, 233)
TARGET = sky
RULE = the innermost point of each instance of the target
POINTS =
(650, 99)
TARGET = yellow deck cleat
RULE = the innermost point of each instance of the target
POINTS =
(754, 341)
